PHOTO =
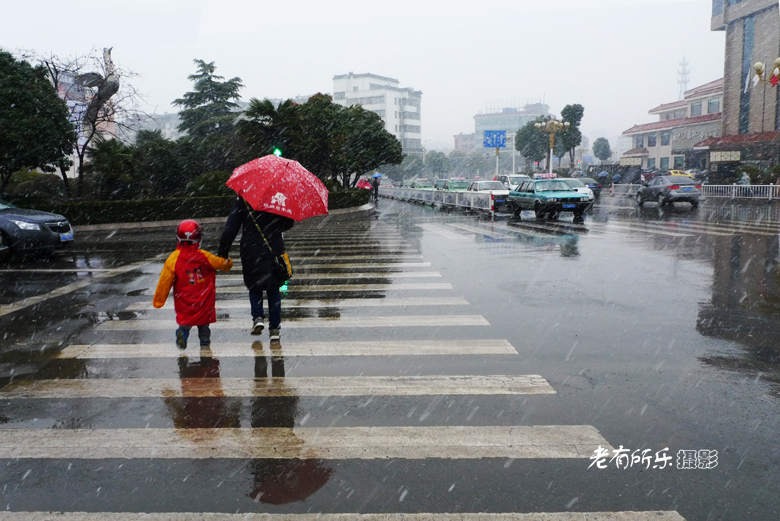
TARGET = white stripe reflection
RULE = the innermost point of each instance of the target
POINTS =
(320, 304)
(526, 442)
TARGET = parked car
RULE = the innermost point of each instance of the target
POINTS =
(670, 189)
(591, 183)
(547, 197)
(680, 172)
(439, 184)
(510, 182)
(579, 186)
(495, 188)
(421, 184)
(33, 231)
(456, 185)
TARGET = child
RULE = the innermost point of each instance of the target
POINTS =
(192, 274)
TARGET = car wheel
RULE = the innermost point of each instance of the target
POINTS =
(639, 200)
(553, 216)
(516, 212)
(578, 215)
(694, 205)
(538, 211)
(661, 200)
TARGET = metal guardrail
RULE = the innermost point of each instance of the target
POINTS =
(466, 200)
(768, 192)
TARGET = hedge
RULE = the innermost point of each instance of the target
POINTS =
(142, 210)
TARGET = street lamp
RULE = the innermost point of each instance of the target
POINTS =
(761, 77)
(551, 127)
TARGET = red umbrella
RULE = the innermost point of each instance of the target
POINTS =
(280, 186)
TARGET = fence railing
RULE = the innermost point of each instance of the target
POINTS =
(768, 192)
(468, 200)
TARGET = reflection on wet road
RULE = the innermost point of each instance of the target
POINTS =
(430, 363)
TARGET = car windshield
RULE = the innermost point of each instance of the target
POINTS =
(574, 183)
(4, 205)
(423, 184)
(517, 179)
(588, 180)
(490, 185)
(458, 184)
(553, 186)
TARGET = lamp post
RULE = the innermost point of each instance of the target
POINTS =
(774, 79)
(551, 127)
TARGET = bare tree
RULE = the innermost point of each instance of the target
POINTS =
(100, 99)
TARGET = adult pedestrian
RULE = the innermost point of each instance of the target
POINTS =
(261, 244)
(375, 188)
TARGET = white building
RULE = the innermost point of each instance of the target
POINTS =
(398, 107)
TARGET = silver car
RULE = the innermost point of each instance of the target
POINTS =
(670, 189)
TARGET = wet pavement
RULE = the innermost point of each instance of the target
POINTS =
(430, 362)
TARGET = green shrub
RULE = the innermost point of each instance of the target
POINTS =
(145, 210)
(210, 184)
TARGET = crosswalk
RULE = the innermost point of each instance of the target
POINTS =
(219, 415)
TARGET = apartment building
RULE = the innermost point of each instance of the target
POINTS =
(671, 142)
(399, 107)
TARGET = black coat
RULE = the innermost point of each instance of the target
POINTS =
(258, 262)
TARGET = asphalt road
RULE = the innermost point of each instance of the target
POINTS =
(431, 363)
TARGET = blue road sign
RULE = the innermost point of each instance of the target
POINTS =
(494, 139)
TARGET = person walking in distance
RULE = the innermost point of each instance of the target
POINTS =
(191, 272)
(262, 243)
(375, 188)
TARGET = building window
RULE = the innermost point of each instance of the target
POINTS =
(679, 162)
(696, 109)
(339, 95)
(666, 138)
(747, 66)
(713, 106)
(651, 140)
(354, 89)
(717, 7)
(639, 142)
(651, 162)
(664, 163)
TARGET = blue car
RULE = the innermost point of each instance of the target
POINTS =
(32, 231)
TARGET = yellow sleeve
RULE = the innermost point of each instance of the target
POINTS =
(218, 263)
(167, 277)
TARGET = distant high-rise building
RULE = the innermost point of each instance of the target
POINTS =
(509, 116)
(399, 107)
(465, 143)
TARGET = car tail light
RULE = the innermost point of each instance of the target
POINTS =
(674, 187)
(698, 187)
(599, 186)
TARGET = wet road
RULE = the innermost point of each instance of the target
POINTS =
(430, 363)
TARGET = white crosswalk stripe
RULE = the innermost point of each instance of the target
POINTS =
(348, 276)
(329, 303)
(287, 349)
(288, 386)
(351, 287)
(309, 323)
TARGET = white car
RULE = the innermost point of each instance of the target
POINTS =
(579, 186)
(493, 187)
(512, 181)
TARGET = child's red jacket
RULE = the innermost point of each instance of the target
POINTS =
(192, 274)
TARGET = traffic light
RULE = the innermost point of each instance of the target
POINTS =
(278, 152)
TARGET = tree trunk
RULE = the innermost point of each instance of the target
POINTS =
(571, 161)
(65, 179)
(5, 177)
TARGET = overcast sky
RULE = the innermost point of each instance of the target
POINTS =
(618, 58)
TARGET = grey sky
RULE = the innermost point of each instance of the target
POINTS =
(618, 58)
